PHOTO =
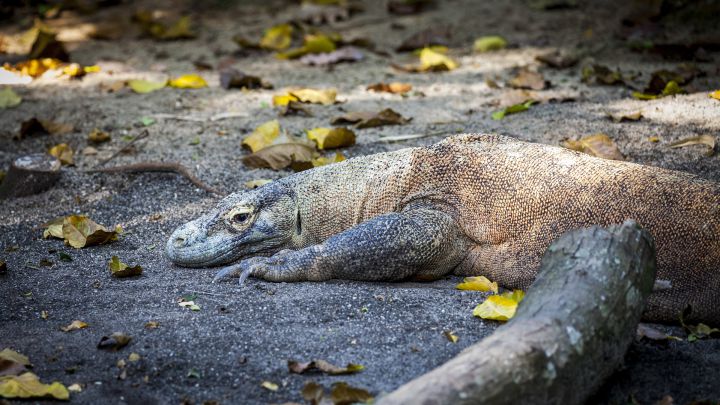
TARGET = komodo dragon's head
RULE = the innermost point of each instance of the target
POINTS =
(257, 222)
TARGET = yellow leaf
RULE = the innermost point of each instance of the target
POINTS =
(74, 325)
(120, 269)
(283, 99)
(80, 231)
(499, 307)
(329, 138)
(312, 44)
(263, 136)
(92, 69)
(653, 139)
(715, 94)
(191, 81)
(145, 86)
(28, 385)
(63, 152)
(54, 228)
(480, 283)
(98, 136)
(8, 98)
(279, 156)
(599, 145)
(435, 61)
(277, 38)
(34, 67)
(489, 43)
(707, 140)
(315, 96)
(326, 160)
(271, 386)
(73, 70)
(11, 355)
(451, 336)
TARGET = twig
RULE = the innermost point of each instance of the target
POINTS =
(142, 135)
(173, 167)
(207, 293)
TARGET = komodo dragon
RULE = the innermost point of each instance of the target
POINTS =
(470, 205)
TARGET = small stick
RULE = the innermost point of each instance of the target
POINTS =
(207, 293)
(173, 167)
(142, 135)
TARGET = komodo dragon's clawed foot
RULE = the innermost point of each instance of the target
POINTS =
(286, 265)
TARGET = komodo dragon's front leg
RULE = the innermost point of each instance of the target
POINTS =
(422, 243)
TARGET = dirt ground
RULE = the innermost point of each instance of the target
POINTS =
(242, 337)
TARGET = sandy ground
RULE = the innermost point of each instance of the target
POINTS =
(244, 336)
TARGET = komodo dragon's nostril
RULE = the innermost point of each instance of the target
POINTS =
(180, 242)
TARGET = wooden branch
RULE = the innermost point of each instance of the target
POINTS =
(30, 175)
(569, 334)
(172, 167)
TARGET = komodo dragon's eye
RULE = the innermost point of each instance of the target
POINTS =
(241, 217)
(238, 216)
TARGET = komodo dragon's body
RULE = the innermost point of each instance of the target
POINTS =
(470, 205)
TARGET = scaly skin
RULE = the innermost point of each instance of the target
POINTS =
(470, 205)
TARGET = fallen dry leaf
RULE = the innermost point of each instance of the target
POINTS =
(35, 126)
(312, 96)
(28, 385)
(120, 269)
(599, 145)
(323, 366)
(74, 325)
(526, 79)
(707, 140)
(270, 386)
(277, 38)
(364, 119)
(152, 325)
(145, 86)
(602, 75)
(624, 116)
(12, 362)
(715, 94)
(558, 59)
(499, 307)
(114, 342)
(394, 87)
(97, 136)
(191, 81)
(263, 136)
(313, 44)
(480, 283)
(299, 165)
(80, 231)
(343, 394)
(513, 109)
(330, 138)
(63, 152)
(279, 156)
(489, 43)
(234, 79)
(8, 98)
(312, 392)
(451, 336)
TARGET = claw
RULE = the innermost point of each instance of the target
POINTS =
(228, 272)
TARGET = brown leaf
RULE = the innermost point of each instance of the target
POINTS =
(394, 87)
(707, 140)
(368, 119)
(313, 393)
(63, 152)
(278, 157)
(343, 394)
(527, 79)
(620, 117)
(120, 269)
(344, 54)
(234, 79)
(323, 366)
(599, 145)
(295, 108)
(80, 231)
(558, 59)
(12, 362)
(35, 126)
(97, 136)
(428, 37)
(114, 342)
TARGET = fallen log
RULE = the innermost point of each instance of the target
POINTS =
(569, 334)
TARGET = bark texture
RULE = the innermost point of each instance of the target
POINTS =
(569, 334)
(30, 175)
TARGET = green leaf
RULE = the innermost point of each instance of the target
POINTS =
(8, 98)
(489, 43)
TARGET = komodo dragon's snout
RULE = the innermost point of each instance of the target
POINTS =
(256, 222)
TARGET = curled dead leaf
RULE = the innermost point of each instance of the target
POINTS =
(74, 325)
(63, 152)
(114, 342)
(120, 269)
(277, 38)
(499, 307)
(363, 119)
(480, 283)
(343, 394)
(330, 138)
(323, 366)
(28, 385)
(270, 386)
(263, 136)
(707, 140)
(97, 136)
(599, 145)
(279, 156)
(526, 79)
(12, 362)
(394, 87)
